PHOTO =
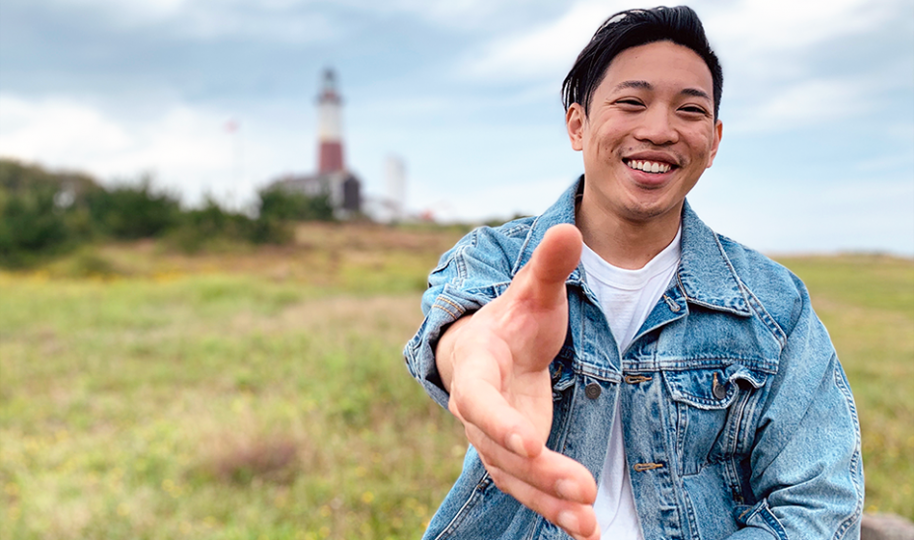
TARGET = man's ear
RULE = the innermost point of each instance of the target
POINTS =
(718, 135)
(574, 123)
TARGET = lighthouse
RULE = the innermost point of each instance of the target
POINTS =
(332, 179)
(330, 139)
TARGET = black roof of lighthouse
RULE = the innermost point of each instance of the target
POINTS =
(328, 91)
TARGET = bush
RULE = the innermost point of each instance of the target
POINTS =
(265, 230)
(44, 212)
(131, 212)
(40, 212)
(30, 223)
(279, 204)
(200, 227)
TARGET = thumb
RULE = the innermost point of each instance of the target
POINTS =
(553, 260)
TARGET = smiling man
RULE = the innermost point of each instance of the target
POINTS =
(618, 366)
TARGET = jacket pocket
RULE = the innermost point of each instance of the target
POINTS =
(762, 517)
(713, 412)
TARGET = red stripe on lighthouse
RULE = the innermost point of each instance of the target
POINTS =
(331, 157)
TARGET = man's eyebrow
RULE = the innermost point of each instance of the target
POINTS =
(644, 85)
(695, 92)
(634, 84)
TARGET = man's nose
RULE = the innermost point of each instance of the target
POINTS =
(657, 127)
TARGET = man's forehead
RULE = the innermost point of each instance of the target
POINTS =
(638, 66)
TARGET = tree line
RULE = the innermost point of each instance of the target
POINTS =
(44, 213)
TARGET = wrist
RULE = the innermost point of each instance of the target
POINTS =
(445, 355)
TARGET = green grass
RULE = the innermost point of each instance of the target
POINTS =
(213, 407)
(225, 396)
(262, 395)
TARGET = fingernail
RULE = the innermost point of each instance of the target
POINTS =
(567, 521)
(516, 444)
(568, 490)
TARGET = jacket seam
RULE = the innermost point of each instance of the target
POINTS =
(763, 511)
(708, 305)
(514, 229)
(848, 522)
(461, 514)
(523, 248)
(461, 265)
(690, 513)
(726, 258)
(759, 309)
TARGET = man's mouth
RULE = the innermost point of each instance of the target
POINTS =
(656, 167)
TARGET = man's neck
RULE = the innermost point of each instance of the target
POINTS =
(626, 243)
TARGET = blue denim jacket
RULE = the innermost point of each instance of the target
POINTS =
(739, 421)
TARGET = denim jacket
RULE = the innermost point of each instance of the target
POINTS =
(738, 419)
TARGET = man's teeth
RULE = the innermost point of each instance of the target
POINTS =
(649, 166)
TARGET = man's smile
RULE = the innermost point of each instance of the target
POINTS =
(648, 166)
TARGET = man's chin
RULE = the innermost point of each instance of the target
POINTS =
(646, 211)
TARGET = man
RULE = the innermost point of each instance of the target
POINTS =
(664, 383)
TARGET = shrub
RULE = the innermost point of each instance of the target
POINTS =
(133, 211)
(40, 211)
(44, 212)
(279, 204)
(198, 228)
(29, 222)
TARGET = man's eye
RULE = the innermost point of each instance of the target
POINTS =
(632, 102)
(694, 110)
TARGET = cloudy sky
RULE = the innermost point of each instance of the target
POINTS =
(818, 106)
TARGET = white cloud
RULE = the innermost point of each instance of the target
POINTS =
(288, 21)
(186, 149)
(541, 52)
(455, 12)
(801, 104)
(126, 12)
(762, 27)
(272, 23)
(748, 34)
(32, 130)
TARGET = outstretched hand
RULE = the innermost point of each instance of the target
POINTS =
(495, 364)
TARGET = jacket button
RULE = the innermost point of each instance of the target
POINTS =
(719, 391)
(593, 390)
(557, 373)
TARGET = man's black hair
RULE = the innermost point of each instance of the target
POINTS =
(632, 28)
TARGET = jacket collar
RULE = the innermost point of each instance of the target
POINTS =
(705, 276)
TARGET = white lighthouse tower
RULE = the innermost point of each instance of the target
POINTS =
(330, 137)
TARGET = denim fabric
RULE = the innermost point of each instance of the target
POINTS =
(738, 420)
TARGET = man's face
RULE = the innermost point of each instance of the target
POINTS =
(650, 132)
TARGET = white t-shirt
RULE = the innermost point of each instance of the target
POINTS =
(627, 298)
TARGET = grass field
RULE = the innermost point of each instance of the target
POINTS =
(261, 394)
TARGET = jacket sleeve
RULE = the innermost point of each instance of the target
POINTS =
(807, 473)
(470, 275)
